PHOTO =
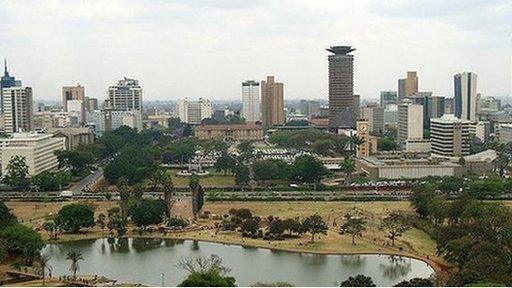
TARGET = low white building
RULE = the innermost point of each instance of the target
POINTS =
(38, 150)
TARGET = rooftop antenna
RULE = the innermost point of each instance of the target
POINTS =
(5, 65)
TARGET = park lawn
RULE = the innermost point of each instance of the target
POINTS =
(215, 179)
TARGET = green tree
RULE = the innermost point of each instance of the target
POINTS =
(242, 174)
(116, 221)
(348, 166)
(148, 212)
(78, 161)
(270, 169)
(124, 195)
(276, 227)
(134, 164)
(358, 281)
(324, 147)
(17, 172)
(197, 195)
(246, 148)
(52, 229)
(21, 240)
(387, 144)
(205, 272)
(307, 169)
(225, 163)
(75, 257)
(394, 225)
(355, 226)
(416, 282)
(52, 181)
(6, 217)
(73, 217)
(354, 142)
(314, 224)
(250, 226)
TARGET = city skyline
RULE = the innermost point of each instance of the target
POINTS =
(121, 39)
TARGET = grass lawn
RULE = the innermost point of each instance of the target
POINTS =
(215, 179)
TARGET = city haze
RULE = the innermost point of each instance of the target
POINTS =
(207, 48)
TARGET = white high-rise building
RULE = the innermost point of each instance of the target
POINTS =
(450, 136)
(18, 109)
(410, 122)
(126, 95)
(251, 101)
(465, 85)
(193, 112)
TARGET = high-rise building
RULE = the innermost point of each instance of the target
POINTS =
(272, 102)
(342, 110)
(449, 106)
(7, 81)
(126, 95)
(70, 93)
(433, 106)
(408, 86)
(410, 121)
(251, 101)
(450, 136)
(18, 109)
(375, 117)
(193, 112)
(387, 97)
(465, 85)
(309, 108)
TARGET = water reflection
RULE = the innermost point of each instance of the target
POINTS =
(396, 267)
(353, 260)
(142, 260)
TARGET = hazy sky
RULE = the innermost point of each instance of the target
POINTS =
(206, 48)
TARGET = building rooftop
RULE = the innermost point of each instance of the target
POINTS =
(340, 50)
(229, 127)
(449, 118)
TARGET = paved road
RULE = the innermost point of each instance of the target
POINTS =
(77, 189)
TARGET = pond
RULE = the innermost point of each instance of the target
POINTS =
(140, 260)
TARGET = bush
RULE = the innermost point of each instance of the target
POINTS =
(177, 223)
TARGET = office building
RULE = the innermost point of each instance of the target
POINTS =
(504, 133)
(7, 81)
(449, 106)
(309, 108)
(90, 104)
(18, 109)
(193, 112)
(375, 117)
(390, 115)
(482, 131)
(126, 95)
(410, 122)
(433, 106)
(73, 137)
(342, 103)
(71, 93)
(369, 142)
(465, 87)
(272, 102)
(37, 149)
(408, 86)
(76, 108)
(251, 101)
(450, 136)
(387, 97)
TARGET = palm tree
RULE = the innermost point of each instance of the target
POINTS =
(168, 188)
(355, 141)
(348, 165)
(44, 262)
(74, 257)
(137, 192)
(124, 195)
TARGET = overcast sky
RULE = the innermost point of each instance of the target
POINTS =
(206, 48)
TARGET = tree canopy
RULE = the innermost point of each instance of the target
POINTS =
(73, 217)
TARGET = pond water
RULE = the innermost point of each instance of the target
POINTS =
(143, 261)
